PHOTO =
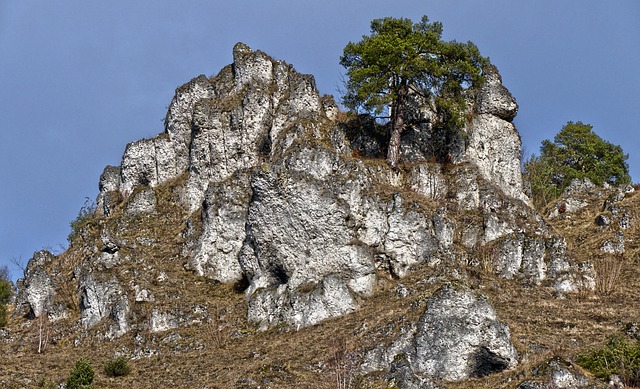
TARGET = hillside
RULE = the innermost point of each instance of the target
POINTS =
(262, 241)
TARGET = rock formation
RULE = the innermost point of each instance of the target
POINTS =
(457, 337)
(254, 181)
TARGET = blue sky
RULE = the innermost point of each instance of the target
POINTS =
(79, 79)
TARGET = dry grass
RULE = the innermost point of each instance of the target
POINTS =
(224, 351)
(233, 354)
(609, 273)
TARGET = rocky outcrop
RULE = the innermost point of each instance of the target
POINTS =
(270, 192)
(457, 337)
(493, 143)
(558, 373)
(101, 298)
(224, 216)
(215, 127)
(37, 289)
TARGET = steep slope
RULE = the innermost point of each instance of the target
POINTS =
(260, 228)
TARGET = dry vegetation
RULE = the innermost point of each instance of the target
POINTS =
(224, 351)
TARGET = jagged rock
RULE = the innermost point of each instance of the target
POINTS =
(401, 376)
(494, 98)
(625, 221)
(103, 298)
(565, 275)
(494, 147)
(521, 255)
(275, 305)
(603, 220)
(162, 321)
(459, 336)
(574, 198)
(108, 186)
(494, 144)
(224, 217)
(535, 259)
(37, 288)
(428, 181)
(215, 127)
(264, 99)
(298, 238)
(410, 238)
(557, 373)
(277, 195)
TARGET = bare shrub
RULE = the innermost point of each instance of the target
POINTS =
(42, 333)
(483, 256)
(219, 328)
(608, 273)
(343, 364)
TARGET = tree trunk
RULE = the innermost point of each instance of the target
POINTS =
(397, 126)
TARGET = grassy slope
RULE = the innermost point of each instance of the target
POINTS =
(228, 352)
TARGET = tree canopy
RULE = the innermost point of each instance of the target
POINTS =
(401, 58)
(576, 152)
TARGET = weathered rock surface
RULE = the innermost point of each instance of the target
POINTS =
(274, 194)
(457, 337)
(101, 298)
(217, 126)
(557, 373)
(36, 290)
(224, 217)
(494, 144)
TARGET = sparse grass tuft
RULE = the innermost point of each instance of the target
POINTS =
(608, 273)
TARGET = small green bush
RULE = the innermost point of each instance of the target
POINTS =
(619, 356)
(3, 315)
(81, 377)
(117, 367)
(85, 215)
(5, 294)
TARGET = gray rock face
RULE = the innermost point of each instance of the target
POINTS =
(459, 337)
(37, 288)
(144, 201)
(215, 127)
(522, 255)
(101, 299)
(299, 245)
(494, 98)
(402, 376)
(494, 146)
(615, 245)
(224, 217)
(575, 198)
(289, 204)
(557, 373)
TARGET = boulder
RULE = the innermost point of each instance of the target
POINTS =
(459, 337)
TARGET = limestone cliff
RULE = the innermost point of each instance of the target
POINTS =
(255, 181)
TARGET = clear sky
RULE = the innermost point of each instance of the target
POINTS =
(80, 79)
